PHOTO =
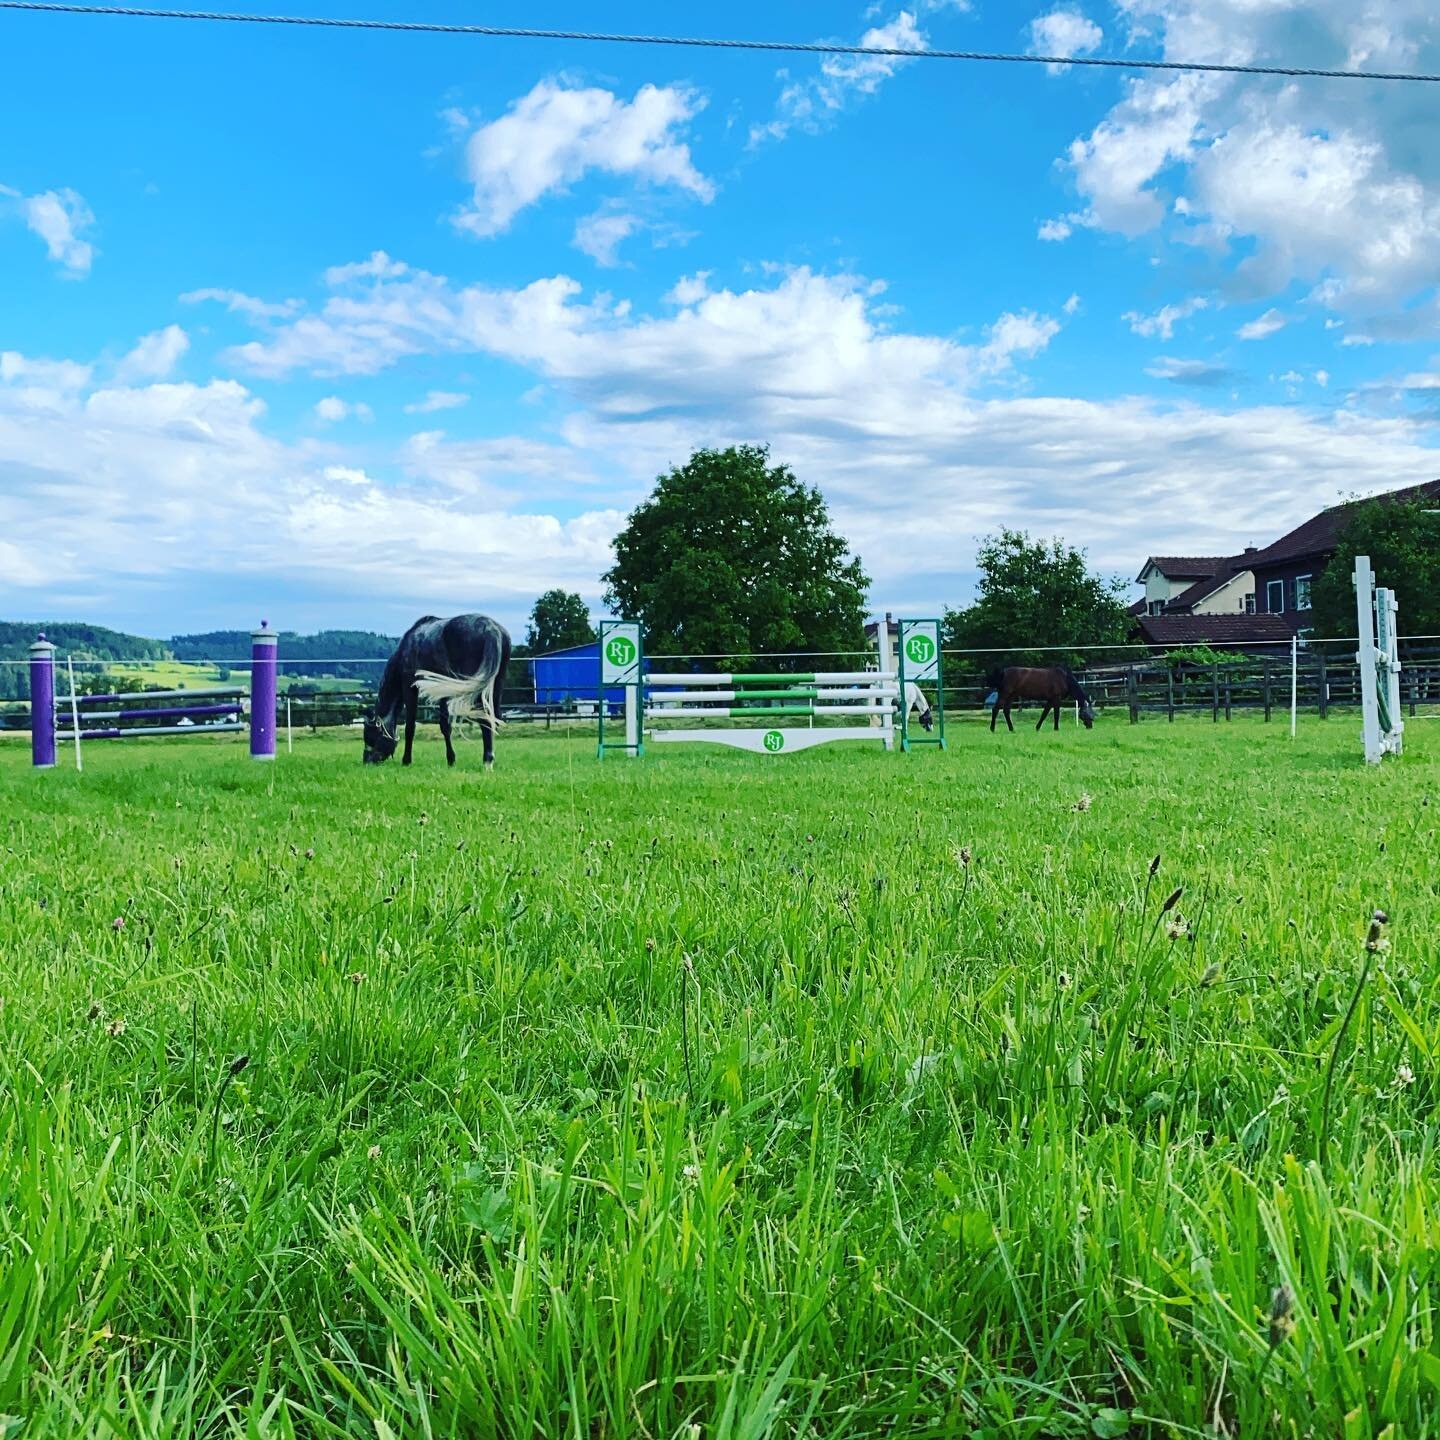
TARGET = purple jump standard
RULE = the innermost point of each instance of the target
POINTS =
(264, 653)
(42, 704)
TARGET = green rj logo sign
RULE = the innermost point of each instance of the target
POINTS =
(774, 741)
(919, 649)
(620, 651)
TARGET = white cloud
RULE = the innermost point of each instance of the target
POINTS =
(1206, 374)
(690, 289)
(1053, 230)
(1322, 377)
(556, 134)
(346, 475)
(1162, 323)
(130, 486)
(332, 409)
(811, 103)
(1268, 177)
(155, 356)
(599, 235)
(437, 400)
(239, 303)
(915, 451)
(1267, 324)
(1072, 305)
(1064, 32)
(59, 218)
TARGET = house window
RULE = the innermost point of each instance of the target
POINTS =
(1250, 603)
(1155, 607)
(1275, 597)
(1302, 592)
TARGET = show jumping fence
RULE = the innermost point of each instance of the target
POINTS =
(135, 714)
(702, 706)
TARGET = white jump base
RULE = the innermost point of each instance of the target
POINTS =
(780, 740)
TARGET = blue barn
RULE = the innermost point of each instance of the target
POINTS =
(571, 674)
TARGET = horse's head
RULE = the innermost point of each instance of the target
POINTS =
(379, 742)
(1087, 714)
(927, 720)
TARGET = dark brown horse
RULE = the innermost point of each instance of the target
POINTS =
(1052, 686)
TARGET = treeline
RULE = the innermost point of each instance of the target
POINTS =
(81, 642)
(338, 653)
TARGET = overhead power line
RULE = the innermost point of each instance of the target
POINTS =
(510, 32)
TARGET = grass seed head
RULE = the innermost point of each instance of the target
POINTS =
(1282, 1317)
(116, 1027)
(1083, 803)
(356, 977)
(1154, 867)
(1211, 975)
(238, 1064)
(1172, 899)
(118, 923)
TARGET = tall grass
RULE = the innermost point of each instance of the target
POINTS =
(842, 1094)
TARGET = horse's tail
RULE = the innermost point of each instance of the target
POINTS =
(469, 695)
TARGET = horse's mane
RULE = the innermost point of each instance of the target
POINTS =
(1077, 691)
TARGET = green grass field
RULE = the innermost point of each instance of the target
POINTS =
(717, 1096)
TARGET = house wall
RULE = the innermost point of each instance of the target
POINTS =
(1287, 574)
(1157, 587)
(1229, 599)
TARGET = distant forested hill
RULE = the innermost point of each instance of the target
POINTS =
(80, 642)
(338, 653)
(324, 653)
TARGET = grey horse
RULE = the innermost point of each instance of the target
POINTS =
(458, 662)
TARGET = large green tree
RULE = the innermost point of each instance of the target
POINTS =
(1402, 539)
(1034, 595)
(732, 555)
(560, 619)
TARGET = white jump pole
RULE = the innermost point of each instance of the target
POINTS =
(1365, 658)
(289, 736)
(74, 714)
(1294, 679)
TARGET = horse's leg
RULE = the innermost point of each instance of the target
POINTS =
(1008, 720)
(1044, 715)
(412, 709)
(994, 714)
(445, 731)
(1057, 714)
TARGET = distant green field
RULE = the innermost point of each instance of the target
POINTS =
(713, 1095)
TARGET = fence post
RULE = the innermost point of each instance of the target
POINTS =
(1170, 693)
(1266, 683)
(1132, 691)
(1323, 683)
(1215, 692)
(42, 704)
(264, 652)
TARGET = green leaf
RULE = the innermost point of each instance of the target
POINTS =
(1109, 1423)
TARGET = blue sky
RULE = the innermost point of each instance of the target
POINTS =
(339, 328)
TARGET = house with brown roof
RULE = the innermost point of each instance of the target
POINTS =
(1286, 571)
(1196, 585)
(1258, 597)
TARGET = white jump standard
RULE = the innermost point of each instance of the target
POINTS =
(1382, 727)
